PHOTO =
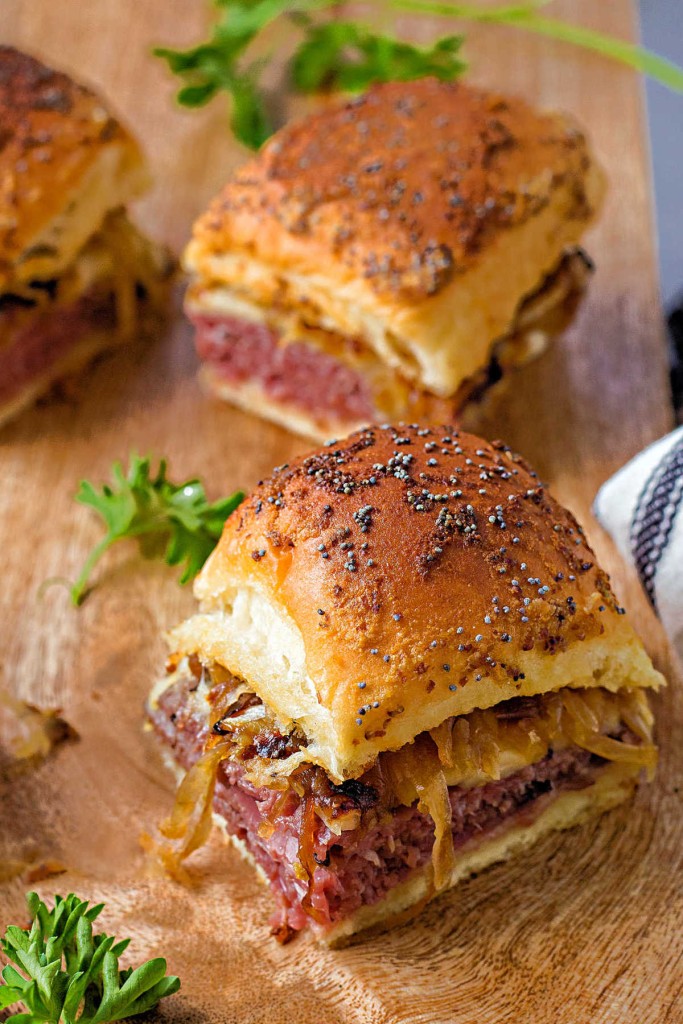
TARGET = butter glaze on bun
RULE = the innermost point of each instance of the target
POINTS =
(376, 587)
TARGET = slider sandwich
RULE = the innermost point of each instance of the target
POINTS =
(76, 276)
(406, 666)
(390, 256)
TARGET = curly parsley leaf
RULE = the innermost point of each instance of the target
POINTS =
(175, 522)
(68, 975)
(217, 65)
(351, 55)
(250, 121)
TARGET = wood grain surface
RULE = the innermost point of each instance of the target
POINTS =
(589, 926)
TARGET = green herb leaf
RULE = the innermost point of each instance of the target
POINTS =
(217, 65)
(636, 57)
(9, 995)
(170, 521)
(496, 13)
(250, 122)
(351, 55)
(348, 56)
(71, 975)
(197, 95)
(525, 16)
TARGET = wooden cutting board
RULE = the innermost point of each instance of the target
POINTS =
(589, 926)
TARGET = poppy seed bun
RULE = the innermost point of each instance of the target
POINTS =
(65, 162)
(416, 217)
(386, 582)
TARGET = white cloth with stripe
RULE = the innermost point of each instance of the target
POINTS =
(641, 506)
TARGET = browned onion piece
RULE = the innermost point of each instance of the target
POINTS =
(443, 737)
(583, 728)
(307, 858)
(190, 821)
(580, 712)
(637, 715)
(485, 735)
(415, 773)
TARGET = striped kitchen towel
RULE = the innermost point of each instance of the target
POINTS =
(641, 506)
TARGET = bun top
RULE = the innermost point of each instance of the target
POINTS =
(53, 133)
(403, 187)
(404, 575)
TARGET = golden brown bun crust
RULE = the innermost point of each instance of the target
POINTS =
(429, 566)
(404, 186)
(52, 131)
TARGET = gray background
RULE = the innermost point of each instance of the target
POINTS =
(662, 31)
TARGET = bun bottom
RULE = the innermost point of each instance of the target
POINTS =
(615, 784)
(251, 398)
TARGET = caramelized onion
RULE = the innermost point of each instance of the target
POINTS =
(471, 746)
(486, 748)
(307, 857)
(581, 713)
(338, 823)
(190, 821)
(263, 772)
(637, 715)
(415, 774)
(27, 732)
(583, 728)
(434, 801)
(462, 751)
(644, 754)
(443, 737)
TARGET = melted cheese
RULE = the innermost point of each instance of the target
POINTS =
(484, 746)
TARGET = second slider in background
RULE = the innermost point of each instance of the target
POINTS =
(391, 255)
(77, 277)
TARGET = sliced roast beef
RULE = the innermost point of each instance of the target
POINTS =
(40, 340)
(293, 374)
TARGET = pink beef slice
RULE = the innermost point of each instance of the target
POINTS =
(293, 374)
(49, 336)
(362, 865)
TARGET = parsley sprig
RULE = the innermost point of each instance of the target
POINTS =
(346, 55)
(68, 975)
(170, 521)
(349, 55)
